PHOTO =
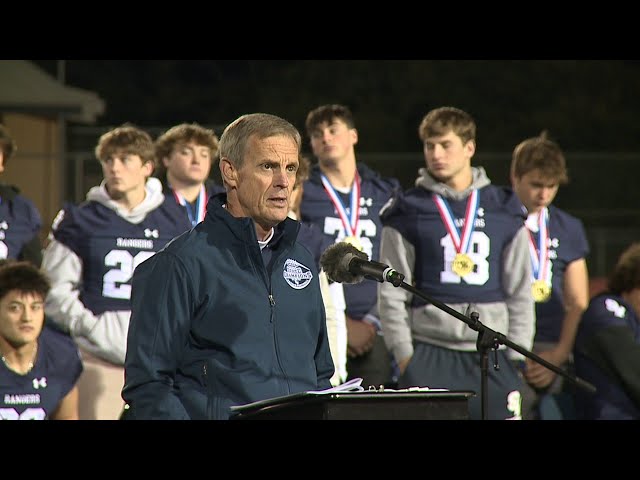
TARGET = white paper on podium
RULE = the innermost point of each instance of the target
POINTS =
(353, 385)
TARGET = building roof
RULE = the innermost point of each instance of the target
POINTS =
(26, 88)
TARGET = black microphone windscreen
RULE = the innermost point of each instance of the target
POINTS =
(335, 262)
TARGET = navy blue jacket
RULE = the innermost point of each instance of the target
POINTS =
(212, 326)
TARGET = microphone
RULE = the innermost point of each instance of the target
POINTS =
(344, 263)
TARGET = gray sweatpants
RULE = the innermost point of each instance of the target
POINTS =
(438, 367)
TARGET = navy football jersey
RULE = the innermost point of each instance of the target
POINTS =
(416, 216)
(37, 394)
(607, 355)
(20, 224)
(317, 208)
(567, 242)
(310, 237)
(111, 247)
(197, 210)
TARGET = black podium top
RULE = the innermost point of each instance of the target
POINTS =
(367, 405)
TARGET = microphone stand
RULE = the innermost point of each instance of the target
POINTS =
(488, 339)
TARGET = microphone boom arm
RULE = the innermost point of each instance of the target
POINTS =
(488, 339)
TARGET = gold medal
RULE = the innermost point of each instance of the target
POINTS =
(355, 241)
(541, 291)
(462, 264)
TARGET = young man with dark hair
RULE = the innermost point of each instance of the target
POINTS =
(344, 198)
(607, 346)
(40, 366)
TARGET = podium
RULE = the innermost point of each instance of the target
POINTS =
(373, 405)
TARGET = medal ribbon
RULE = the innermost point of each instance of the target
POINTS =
(200, 208)
(350, 223)
(461, 242)
(540, 255)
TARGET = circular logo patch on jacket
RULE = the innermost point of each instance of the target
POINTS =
(297, 275)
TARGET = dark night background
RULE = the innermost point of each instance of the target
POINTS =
(587, 105)
(590, 107)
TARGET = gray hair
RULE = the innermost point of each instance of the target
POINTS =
(233, 141)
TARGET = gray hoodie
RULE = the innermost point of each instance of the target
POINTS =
(103, 335)
(402, 324)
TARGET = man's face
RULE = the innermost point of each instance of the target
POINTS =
(535, 190)
(332, 142)
(21, 317)
(125, 173)
(189, 162)
(447, 157)
(266, 178)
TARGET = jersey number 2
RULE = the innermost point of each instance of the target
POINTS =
(114, 282)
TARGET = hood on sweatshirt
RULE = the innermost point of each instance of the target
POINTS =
(153, 199)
